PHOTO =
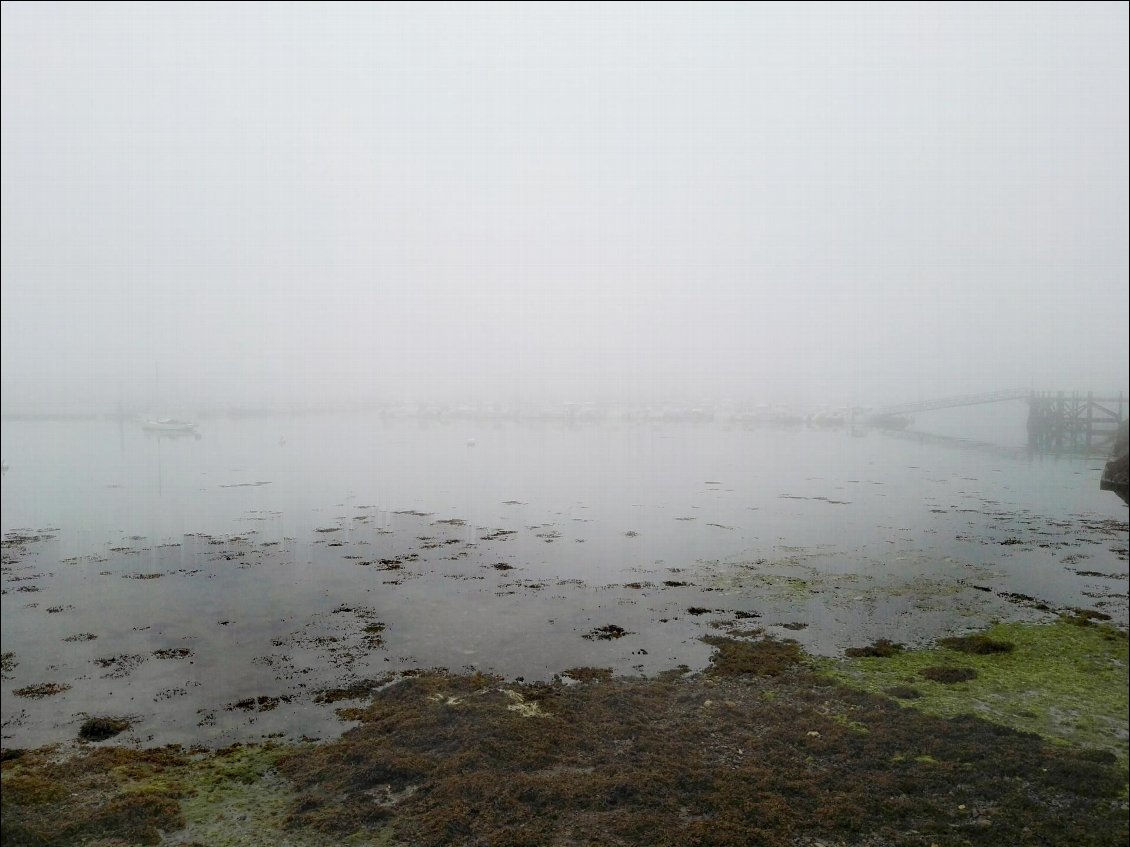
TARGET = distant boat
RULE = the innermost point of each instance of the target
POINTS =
(895, 422)
(168, 425)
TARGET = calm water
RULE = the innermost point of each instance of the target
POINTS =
(280, 556)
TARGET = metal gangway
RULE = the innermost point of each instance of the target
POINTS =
(953, 402)
(1058, 422)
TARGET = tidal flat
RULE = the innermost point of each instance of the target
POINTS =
(874, 642)
(1022, 737)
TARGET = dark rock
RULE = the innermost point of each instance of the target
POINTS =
(99, 729)
(1116, 474)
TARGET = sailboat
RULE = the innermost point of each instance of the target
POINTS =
(168, 425)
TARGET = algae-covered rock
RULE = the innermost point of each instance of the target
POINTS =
(1063, 681)
(1116, 474)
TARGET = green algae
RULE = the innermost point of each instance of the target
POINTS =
(1062, 681)
(793, 592)
(221, 798)
(236, 797)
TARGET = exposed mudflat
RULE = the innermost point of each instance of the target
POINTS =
(883, 654)
(218, 639)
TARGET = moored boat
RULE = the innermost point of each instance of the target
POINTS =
(168, 425)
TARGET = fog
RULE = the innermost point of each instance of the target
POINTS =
(226, 204)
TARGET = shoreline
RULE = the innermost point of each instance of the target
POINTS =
(766, 739)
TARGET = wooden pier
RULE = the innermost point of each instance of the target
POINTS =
(1073, 423)
(1058, 421)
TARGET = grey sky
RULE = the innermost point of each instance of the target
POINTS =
(845, 203)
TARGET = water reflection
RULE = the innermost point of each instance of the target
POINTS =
(276, 563)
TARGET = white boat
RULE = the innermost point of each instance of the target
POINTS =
(168, 425)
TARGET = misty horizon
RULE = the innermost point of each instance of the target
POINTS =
(221, 205)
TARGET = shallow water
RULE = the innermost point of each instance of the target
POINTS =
(256, 555)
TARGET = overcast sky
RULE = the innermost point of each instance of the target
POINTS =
(842, 203)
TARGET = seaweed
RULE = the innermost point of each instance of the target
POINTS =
(760, 749)
(883, 648)
(764, 657)
(980, 645)
(606, 633)
(102, 728)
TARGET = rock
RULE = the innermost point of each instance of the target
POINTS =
(1116, 474)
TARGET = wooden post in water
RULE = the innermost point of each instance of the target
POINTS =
(1055, 419)
(1071, 421)
(1076, 422)
(1090, 418)
(1032, 420)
